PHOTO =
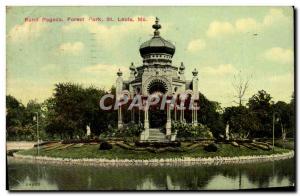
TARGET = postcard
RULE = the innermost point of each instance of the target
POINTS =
(150, 98)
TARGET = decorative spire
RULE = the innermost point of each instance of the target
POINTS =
(195, 72)
(119, 73)
(156, 26)
(132, 67)
(182, 67)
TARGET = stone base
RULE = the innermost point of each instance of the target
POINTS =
(173, 136)
(144, 135)
(120, 125)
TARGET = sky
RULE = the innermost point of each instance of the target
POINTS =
(220, 42)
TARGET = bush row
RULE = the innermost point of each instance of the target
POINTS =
(158, 144)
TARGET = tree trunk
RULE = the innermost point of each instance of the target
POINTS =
(283, 132)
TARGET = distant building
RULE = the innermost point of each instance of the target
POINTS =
(157, 75)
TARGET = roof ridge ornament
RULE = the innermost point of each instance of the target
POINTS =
(182, 67)
(156, 26)
(119, 73)
(195, 72)
(132, 67)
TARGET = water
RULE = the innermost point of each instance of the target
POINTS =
(33, 176)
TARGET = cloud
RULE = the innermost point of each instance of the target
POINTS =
(243, 25)
(48, 67)
(103, 68)
(274, 15)
(217, 28)
(71, 48)
(111, 36)
(26, 90)
(196, 45)
(26, 31)
(281, 86)
(221, 70)
(280, 55)
(284, 78)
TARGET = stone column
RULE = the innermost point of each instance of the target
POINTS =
(132, 115)
(168, 125)
(119, 87)
(120, 122)
(182, 114)
(195, 114)
(139, 116)
(175, 112)
(146, 123)
(146, 120)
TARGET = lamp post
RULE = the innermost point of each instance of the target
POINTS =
(37, 132)
(274, 115)
(273, 129)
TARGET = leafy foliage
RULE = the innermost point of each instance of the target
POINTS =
(187, 131)
(256, 120)
(210, 115)
(72, 107)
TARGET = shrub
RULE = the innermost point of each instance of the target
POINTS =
(173, 144)
(132, 130)
(105, 146)
(76, 141)
(211, 147)
(11, 152)
(187, 131)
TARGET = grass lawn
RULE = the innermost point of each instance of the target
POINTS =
(92, 151)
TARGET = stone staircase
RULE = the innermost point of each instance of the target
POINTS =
(156, 135)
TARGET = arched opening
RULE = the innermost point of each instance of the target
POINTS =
(157, 87)
(157, 117)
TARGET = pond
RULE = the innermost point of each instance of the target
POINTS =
(33, 176)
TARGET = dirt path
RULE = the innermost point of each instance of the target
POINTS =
(19, 145)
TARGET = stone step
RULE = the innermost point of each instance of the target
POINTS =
(157, 139)
(154, 131)
(156, 135)
(159, 136)
(151, 137)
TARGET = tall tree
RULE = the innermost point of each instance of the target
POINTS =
(210, 115)
(260, 105)
(15, 112)
(240, 85)
(241, 121)
(75, 108)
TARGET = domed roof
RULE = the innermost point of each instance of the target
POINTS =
(157, 44)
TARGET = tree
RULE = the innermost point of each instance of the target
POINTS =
(282, 109)
(15, 112)
(260, 106)
(292, 126)
(210, 115)
(240, 85)
(73, 108)
(241, 121)
(92, 115)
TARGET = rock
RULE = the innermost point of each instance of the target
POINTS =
(105, 146)
(211, 147)
(235, 144)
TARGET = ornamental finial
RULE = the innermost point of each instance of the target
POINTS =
(156, 26)
(119, 73)
(132, 67)
(182, 67)
(195, 72)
